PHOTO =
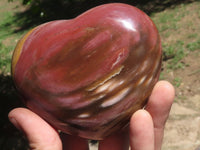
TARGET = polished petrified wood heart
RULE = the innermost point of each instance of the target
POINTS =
(88, 75)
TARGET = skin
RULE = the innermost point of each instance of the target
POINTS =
(146, 127)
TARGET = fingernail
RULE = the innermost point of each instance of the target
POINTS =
(14, 122)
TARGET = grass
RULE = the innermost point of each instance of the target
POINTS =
(179, 28)
(5, 59)
(168, 20)
(177, 81)
(193, 45)
(176, 52)
(9, 24)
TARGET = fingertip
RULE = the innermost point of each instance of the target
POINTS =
(16, 115)
(167, 85)
(141, 131)
(166, 88)
(141, 113)
(38, 132)
(13, 112)
(159, 105)
(162, 96)
(139, 118)
(17, 112)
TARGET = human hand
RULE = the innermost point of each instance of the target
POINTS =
(145, 131)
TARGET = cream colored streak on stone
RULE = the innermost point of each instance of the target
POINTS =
(102, 81)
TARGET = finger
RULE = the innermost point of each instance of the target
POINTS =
(141, 131)
(118, 141)
(73, 142)
(159, 106)
(41, 135)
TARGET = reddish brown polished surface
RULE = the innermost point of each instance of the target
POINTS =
(87, 76)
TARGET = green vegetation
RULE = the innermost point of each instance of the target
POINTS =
(9, 36)
(175, 53)
(177, 27)
(193, 45)
(177, 82)
(5, 58)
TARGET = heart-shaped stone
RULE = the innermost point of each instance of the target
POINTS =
(88, 75)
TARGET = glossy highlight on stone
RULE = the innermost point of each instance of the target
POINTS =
(88, 75)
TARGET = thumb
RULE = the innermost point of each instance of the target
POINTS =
(41, 135)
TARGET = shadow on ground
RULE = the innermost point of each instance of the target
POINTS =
(10, 137)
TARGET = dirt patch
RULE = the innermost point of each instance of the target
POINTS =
(14, 6)
(187, 79)
(182, 130)
(183, 127)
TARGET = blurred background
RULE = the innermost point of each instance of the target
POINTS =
(178, 22)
